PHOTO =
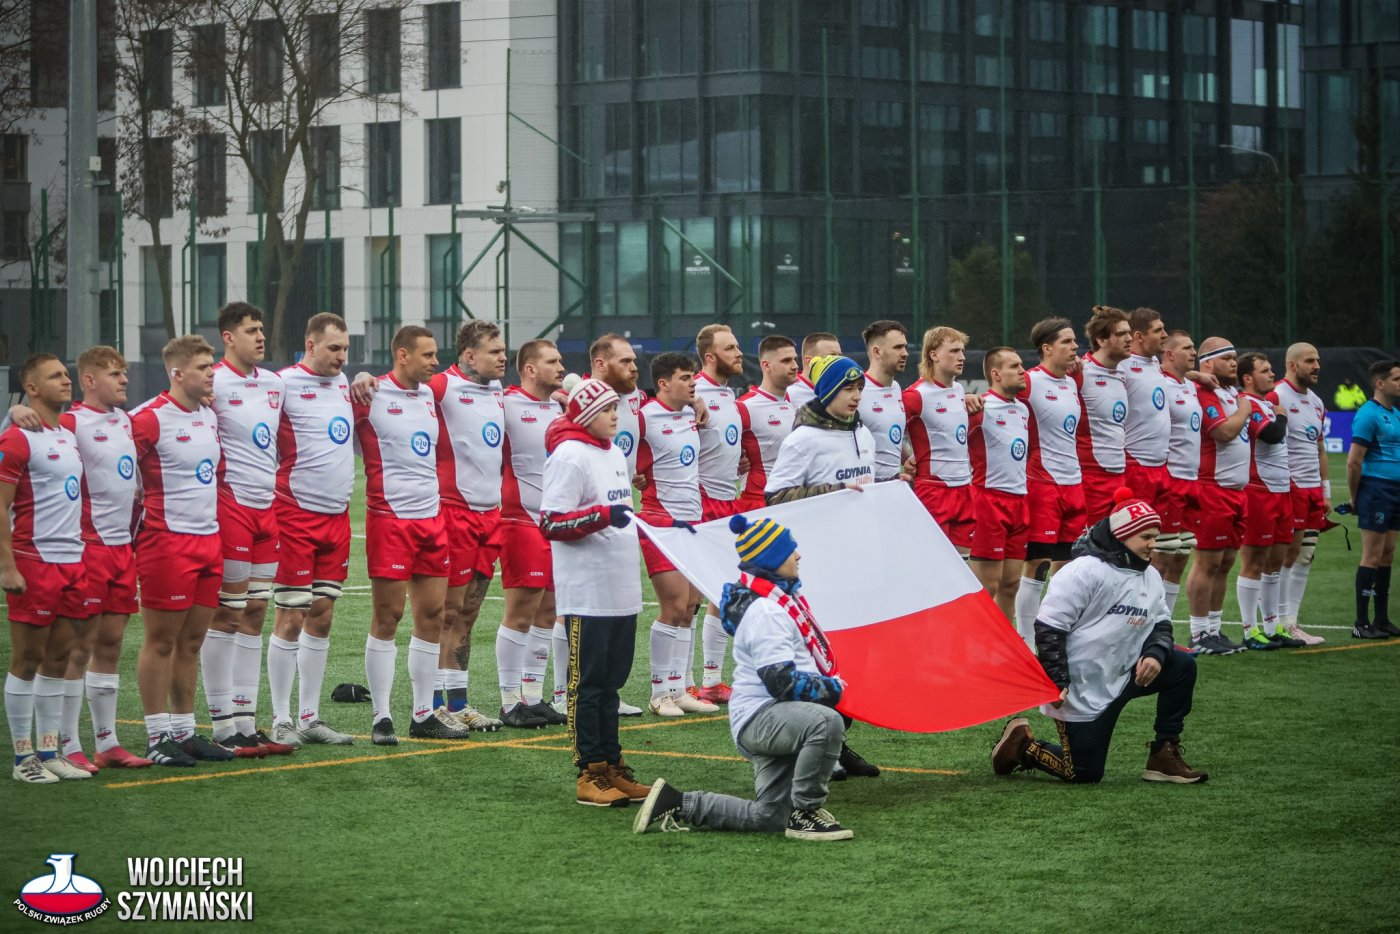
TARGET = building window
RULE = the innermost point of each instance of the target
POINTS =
(605, 131)
(1290, 66)
(14, 158)
(941, 141)
(733, 35)
(15, 236)
(267, 150)
(152, 294)
(383, 27)
(1101, 50)
(603, 50)
(210, 187)
(1151, 75)
(325, 167)
(384, 164)
(444, 24)
(323, 43)
(623, 265)
(1198, 47)
(266, 65)
(670, 147)
(209, 55)
(48, 54)
(689, 276)
(829, 17)
(734, 145)
(444, 161)
(107, 201)
(444, 266)
(157, 67)
(939, 44)
(1048, 153)
(106, 55)
(814, 149)
(670, 30)
(776, 153)
(884, 149)
(210, 281)
(157, 179)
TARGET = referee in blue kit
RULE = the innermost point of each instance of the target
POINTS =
(1373, 477)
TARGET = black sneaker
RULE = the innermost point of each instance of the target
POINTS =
(548, 714)
(243, 746)
(815, 824)
(1222, 642)
(660, 811)
(168, 752)
(856, 766)
(1368, 632)
(522, 718)
(383, 733)
(838, 774)
(1387, 627)
(433, 728)
(1205, 644)
(197, 747)
(1284, 641)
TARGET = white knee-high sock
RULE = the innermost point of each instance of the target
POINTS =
(422, 669)
(536, 661)
(216, 665)
(560, 637)
(102, 706)
(1268, 601)
(19, 712)
(1214, 617)
(510, 659)
(1247, 592)
(247, 676)
(48, 713)
(1297, 577)
(72, 706)
(685, 654)
(1027, 605)
(281, 669)
(665, 675)
(1173, 590)
(181, 726)
(713, 640)
(381, 655)
(311, 675)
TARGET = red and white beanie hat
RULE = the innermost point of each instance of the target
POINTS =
(587, 398)
(1130, 515)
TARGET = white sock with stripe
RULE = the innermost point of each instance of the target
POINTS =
(281, 669)
(48, 713)
(1247, 592)
(510, 660)
(72, 707)
(534, 664)
(102, 706)
(311, 675)
(713, 640)
(216, 665)
(1268, 601)
(381, 655)
(19, 712)
(665, 676)
(422, 670)
(247, 678)
(1027, 605)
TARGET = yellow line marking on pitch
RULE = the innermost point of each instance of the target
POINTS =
(713, 758)
(204, 776)
(1346, 648)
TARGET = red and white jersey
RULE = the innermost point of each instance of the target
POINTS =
(524, 454)
(936, 420)
(1307, 419)
(997, 440)
(177, 454)
(1184, 407)
(316, 469)
(397, 435)
(667, 455)
(1147, 430)
(629, 413)
(719, 440)
(801, 392)
(1223, 462)
(471, 427)
(767, 421)
(109, 488)
(1054, 405)
(882, 411)
(1268, 467)
(1103, 407)
(249, 408)
(47, 473)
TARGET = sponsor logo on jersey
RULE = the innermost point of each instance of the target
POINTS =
(1212, 412)
(1018, 449)
(423, 445)
(1120, 411)
(338, 430)
(126, 467)
(71, 487)
(274, 399)
(262, 435)
(1310, 432)
(204, 471)
(1070, 423)
(687, 456)
(896, 434)
(1159, 399)
(731, 434)
(1195, 421)
(960, 434)
(623, 440)
(62, 896)
(491, 434)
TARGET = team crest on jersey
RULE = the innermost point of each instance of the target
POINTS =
(99, 435)
(53, 454)
(420, 442)
(308, 394)
(345, 392)
(204, 471)
(394, 409)
(731, 434)
(687, 456)
(234, 399)
(1159, 399)
(634, 404)
(1001, 421)
(182, 436)
(877, 408)
(1100, 382)
(714, 407)
(491, 434)
(941, 409)
(1018, 449)
(961, 434)
(775, 421)
(896, 434)
(1120, 411)
(126, 467)
(274, 399)
(1051, 397)
(667, 429)
(1135, 369)
(528, 417)
(465, 398)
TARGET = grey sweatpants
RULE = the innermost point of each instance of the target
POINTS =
(794, 746)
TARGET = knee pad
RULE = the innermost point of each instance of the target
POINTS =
(1167, 545)
(233, 601)
(329, 589)
(236, 572)
(291, 598)
(259, 590)
(1308, 550)
(1186, 543)
(263, 572)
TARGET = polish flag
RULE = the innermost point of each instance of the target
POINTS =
(920, 644)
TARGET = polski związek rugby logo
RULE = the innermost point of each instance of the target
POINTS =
(62, 896)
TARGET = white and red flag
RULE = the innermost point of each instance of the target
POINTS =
(920, 644)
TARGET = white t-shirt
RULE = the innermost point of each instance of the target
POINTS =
(815, 455)
(1224, 462)
(317, 469)
(398, 434)
(629, 413)
(937, 427)
(596, 575)
(1103, 407)
(109, 472)
(767, 421)
(1148, 429)
(249, 407)
(527, 419)
(1307, 418)
(47, 511)
(177, 454)
(471, 427)
(997, 443)
(1269, 465)
(1184, 406)
(882, 411)
(1109, 613)
(667, 452)
(766, 636)
(719, 440)
(801, 392)
(1054, 404)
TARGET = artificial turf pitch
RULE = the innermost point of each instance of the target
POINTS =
(1294, 830)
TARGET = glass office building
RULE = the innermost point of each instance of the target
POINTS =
(795, 166)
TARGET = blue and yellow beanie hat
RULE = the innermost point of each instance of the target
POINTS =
(829, 374)
(764, 543)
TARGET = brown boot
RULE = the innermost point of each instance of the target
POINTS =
(1006, 754)
(595, 788)
(1166, 765)
(626, 782)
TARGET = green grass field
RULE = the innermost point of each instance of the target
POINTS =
(1293, 832)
